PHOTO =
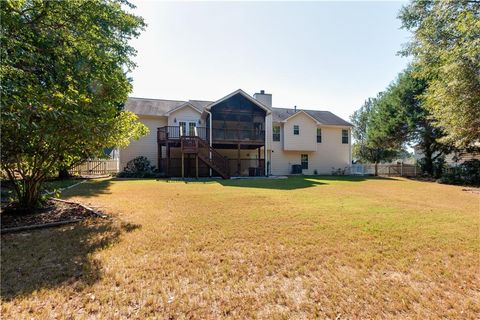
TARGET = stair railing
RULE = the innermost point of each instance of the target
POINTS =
(216, 159)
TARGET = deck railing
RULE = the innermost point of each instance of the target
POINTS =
(218, 134)
(213, 157)
(175, 132)
(238, 134)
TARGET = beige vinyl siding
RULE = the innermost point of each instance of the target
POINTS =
(184, 114)
(268, 129)
(306, 140)
(331, 153)
(147, 145)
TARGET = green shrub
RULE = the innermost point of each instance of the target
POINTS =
(139, 167)
(467, 173)
(437, 168)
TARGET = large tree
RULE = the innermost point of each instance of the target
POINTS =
(446, 49)
(63, 82)
(402, 119)
(370, 146)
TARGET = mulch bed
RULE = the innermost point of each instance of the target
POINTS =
(54, 214)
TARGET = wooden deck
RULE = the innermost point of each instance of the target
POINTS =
(196, 147)
(219, 136)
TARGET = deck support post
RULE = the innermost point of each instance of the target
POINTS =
(159, 157)
(196, 165)
(167, 169)
(238, 159)
(183, 165)
(259, 156)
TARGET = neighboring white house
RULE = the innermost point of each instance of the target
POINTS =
(238, 135)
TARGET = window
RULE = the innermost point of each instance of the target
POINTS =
(319, 135)
(276, 133)
(191, 128)
(183, 128)
(344, 136)
(296, 129)
(304, 161)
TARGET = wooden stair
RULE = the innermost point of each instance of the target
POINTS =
(202, 149)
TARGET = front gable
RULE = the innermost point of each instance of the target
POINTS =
(303, 114)
(305, 140)
(185, 112)
(183, 106)
(236, 99)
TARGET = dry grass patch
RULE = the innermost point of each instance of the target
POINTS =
(305, 247)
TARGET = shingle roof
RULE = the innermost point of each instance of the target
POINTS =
(158, 107)
(324, 117)
(200, 104)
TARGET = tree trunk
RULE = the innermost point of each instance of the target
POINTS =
(63, 174)
(428, 162)
(376, 168)
(29, 197)
(428, 146)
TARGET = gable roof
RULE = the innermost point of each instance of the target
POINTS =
(301, 112)
(322, 117)
(160, 107)
(243, 93)
(183, 105)
(163, 107)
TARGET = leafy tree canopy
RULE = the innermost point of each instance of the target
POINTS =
(63, 84)
(370, 146)
(401, 118)
(446, 49)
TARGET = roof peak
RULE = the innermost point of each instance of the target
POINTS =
(300, 109)
(157, 99)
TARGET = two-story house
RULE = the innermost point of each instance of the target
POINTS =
(238, 135)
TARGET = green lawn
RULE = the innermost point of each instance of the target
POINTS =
(306, 247)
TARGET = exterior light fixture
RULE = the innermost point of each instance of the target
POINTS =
(174, 120)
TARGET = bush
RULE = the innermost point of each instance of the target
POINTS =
(467, 173)
(438, 167)
(338, 172)
(139, 167)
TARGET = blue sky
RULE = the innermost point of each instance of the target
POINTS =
(315, 55)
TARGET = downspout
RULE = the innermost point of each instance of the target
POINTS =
(266, 144)
(210, 138)
(350, 150)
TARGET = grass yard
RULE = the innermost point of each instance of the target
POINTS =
(55, 185)
(302, 248)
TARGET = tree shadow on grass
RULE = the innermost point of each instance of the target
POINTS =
(90, 188)
(294, 182)
(49, 258)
